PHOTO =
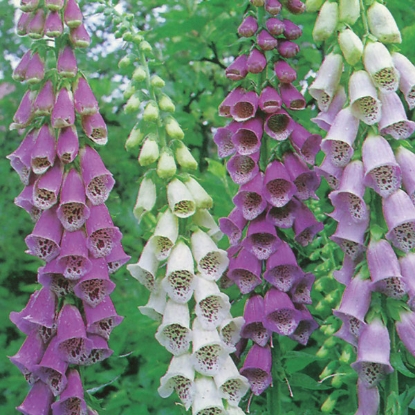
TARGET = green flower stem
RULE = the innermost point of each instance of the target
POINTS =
(364, 18)
(274, 393)
(392, 382)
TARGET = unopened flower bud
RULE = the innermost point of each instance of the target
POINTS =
(129, 91)
(124, 62)
(146, 198)
(151, 112)
(166, 167)
(134, 139)
(132, 105)
(273, 7)
(382, 24)
(173, 128)
(257, 3)
(184, 157)
(329, 403)
(157, 82)
(313, 5)
(79, 37)
(326, 21)
(137, 39)
(149, 152)
(248, 27)
(145, 46)
(166, 104)
(351, 46)
(295, 6)
(349, 11)
(36, 25)
(139, 74)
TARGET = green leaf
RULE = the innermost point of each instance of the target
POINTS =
(399, 365)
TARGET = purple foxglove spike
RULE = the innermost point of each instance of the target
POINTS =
(223, 139)
(36, 25)
(43, 153)
(67, 146)
(240, 347)
(348, 198)
(407, 77)
(145, 270)
(95, 285)
(306, 181)
(46, 187)
(353, 308)
(282, 269)
(38, 401)
(21, 27)
(399, 213)
(51, 276)
(95, 128)
(279, 125)
(369, 399)
(102, 318)
(229, 101)
(24, 113)
(405, 328)
(253, 327)
(71, 399)
(233, 225)
(45, 239)
(373, 351)
(54, 5)
(63, 113)
(207, 398)
(269, 100)
(306, 144)
(274, 26)
(72, 14)
(295, 6)
(305, 225)
(291, 30)
(72, 210)
(20, 159)
(19, 73)
(242, 169)
(257, 368)
(327, 81)
(330, 172)
(249, 199)
(245, 107)
(407, 264)
(245, 271)
(363, 98)
(379, 65)
(53, 24)
(261, 238)
(350, 237)
(66, 64)
(291, 97)
(25, 201)
(174, 332)
(305, 327)
(384, 268)
(117, 258)
(99, 350)
(300, 293)
(338, 143)
(84, 98)
(256, 62)
(72, 343)
(247, 139)
(74, 255)
(287, 49)
(230, 330)
(273, 7)
(212, 306)
(79, 37)
(29, 5)
(51, 369)
(248, 27)
(35, 71)
(180, 378)
(382, 172)
(266, 41)
(325, 119)
(345, 273)
(280, 315)
(394, 120)
(45, 99)
(282, 217)
(237, 70)
(285, 73)
(278, 187)
(97, 179)
(29, 355)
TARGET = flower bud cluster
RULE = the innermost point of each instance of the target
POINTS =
(68, 321)
(271, 159)
(369, 168)
(180, 263)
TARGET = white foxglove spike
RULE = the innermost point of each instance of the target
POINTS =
(179, 279)
(146, 198)
(180, 200)
(204, 219)
(207, 398)
(200, 196)
(212, 306)
(230, 330)
(156, 303)
(165, 234)
(211, 261)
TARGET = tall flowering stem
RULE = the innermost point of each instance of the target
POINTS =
(368, 162)
(69, 319)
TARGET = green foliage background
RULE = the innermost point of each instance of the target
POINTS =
(193, 42)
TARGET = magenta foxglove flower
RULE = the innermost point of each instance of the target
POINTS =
(242, 168)
(66, 64)
(24, 114)
(253, 327)
(369, 399)
(273, 7)
(305, 225)
(274, 26)
(291, 97)
(223, 139)
(45, 99)
(72, 14)
(406, 161)
(295, 6)
(269, 100)
(405, 328)
(287, 49)
(247, 139)
(305, 327)
(278, 186)
(256, 62)
(245, 271)
(407, 77)
(36, 24)
(330, 172)
(300, 292)
(285, 73)
(99, 350)
(79, 37)
(345, 273)
(25, 201)
(229, 101)
(233, 225)
(63, 112)
(19, 73)
(407, 264)
(279, 125)
(306, 144)
(35, 70)
(117, 258)
(245, 107)
(29, 5)
(373, 352)
(46, 188)
(84, 99)
(51, 276)
(266, 41)
(248, 27)
(53, 24)
(54, 5)
(95, 128)
(237, 70)
(43, 153)
(291, 30)
(38, 401)
(21, 26)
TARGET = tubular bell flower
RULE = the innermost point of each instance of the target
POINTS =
(24, 114)
(46, 187)
(63, 112)
(269, 100)
(180, 199)
(38, 400)
(68, 144)
(305, 225)
(248, 27)
(84, 99)
(284, 72)
(274, 26)
(279, 125)
(245, 271)
(201, 197)
(406, 160)
(244, 107)
(351, 46)
(229, 101)
(207, 398)
(247, 139)
(66, 64)
(407, 77)
(256, 62)
(369, 399)
(382, 24)
(300, 292)
(282, 217)
(95, 128)
(44, 100)
(305, 327)
(233, 225)
(266, 41)
(291, 97)
(145, 270)
(237, 70)
(278, 187)
(306, 144)
(53, 25)
(243, 168)
(165, 235)
(326, 21)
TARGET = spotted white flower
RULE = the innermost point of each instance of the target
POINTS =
(180, 200)
(165, 234)
(146, 198)
(202, 198)
(156, 304)
(207, 400)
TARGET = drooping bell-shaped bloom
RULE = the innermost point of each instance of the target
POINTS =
(363, 98)
(407, 266)
(305, 225)
(54, 5)
(204, 219)
(345, 273)
(95, 128)
(338, 143)
(24, 113)
(253, 327)
(369, 399)
(326, 21)
(72, 14)
(156, 303)
(382, 24)
(21, 26)
(223, 139)
(353, 308)
(272, 7)
(63, 112)
(269, 100)
(399, 213)
(230, 331)
(257, 368)
(51, 276)
(237, 70)
(248, 27)
(279, 125)
(243, 168)
(53, 24)
(201, 197)
(245, 107)
(44, 100)
(68, 144)
(327, 80)
(373, 350)
(384, 269)
(207, 398)
(35, 71)
(97, 179)
(233, 225)
(38, 401)
(405, 328)
(174, 332)
(79, 37)
(180, 199)
(116, 258)
(233, 96)
(287, 48)
(180, 378)
(256, 62)
(348, 198)
(291, 97)
(43, 153)
(19, 71)
(25, 201)
(351, 46)
(146, 198)
(285, 73)
(84, 99)
(245, 271)
(295, 6)
(66, 64)
(306, 144)
(407, 77)
(406, 160)
(305, 327)
(278, 186)
(72, 211)
(165, 234)
(247, 139)
(102, 234)
(266, 41)
(300, 292)
(36, 24)
(46, 188)
(99, 350)
(330, 172)
(145, 270)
